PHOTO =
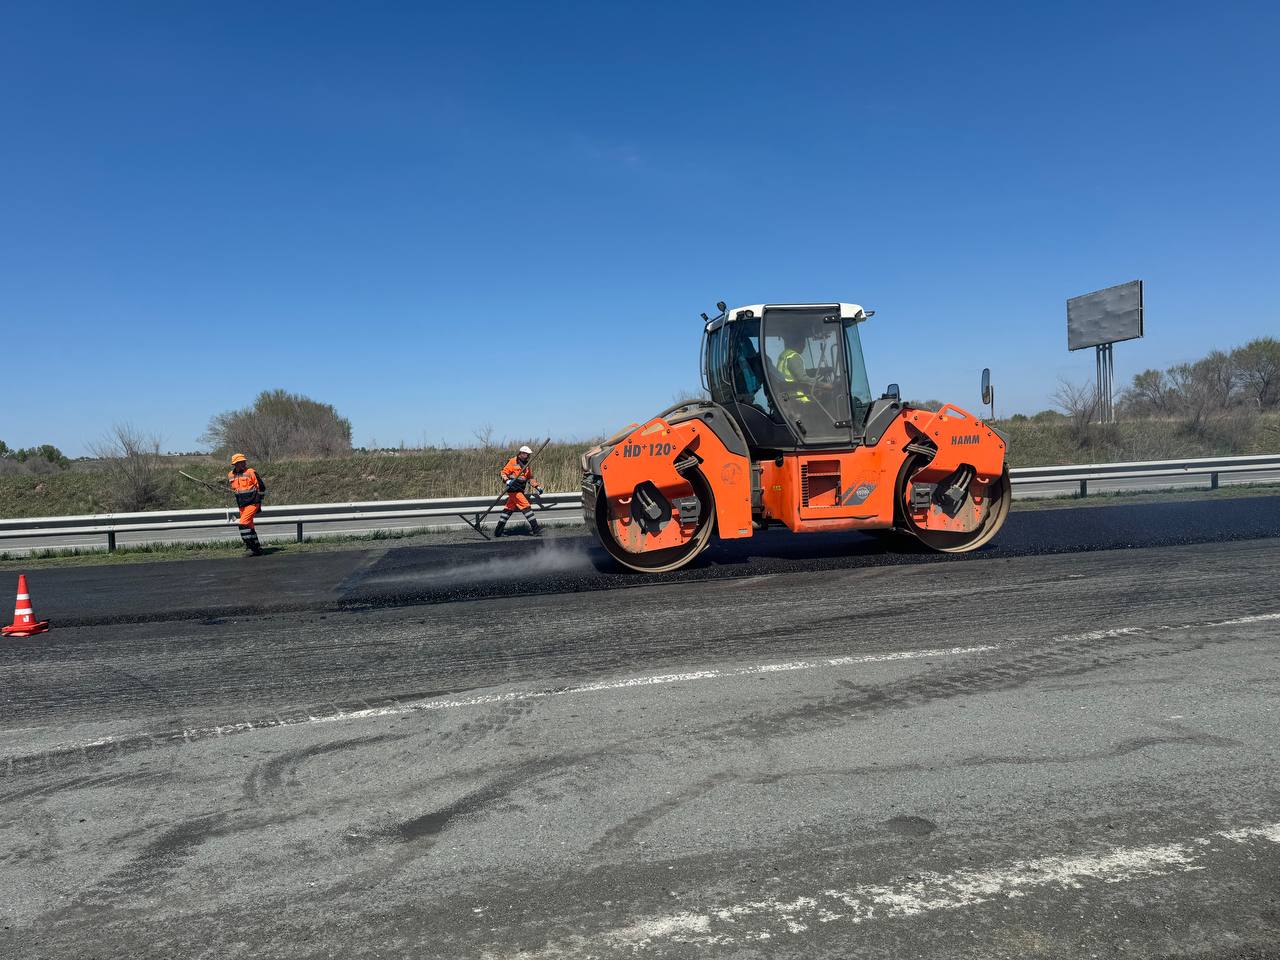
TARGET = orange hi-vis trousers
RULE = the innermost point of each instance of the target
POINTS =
(517, 501)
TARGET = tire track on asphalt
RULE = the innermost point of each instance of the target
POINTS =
(127, 889)
(409, 835)
(627, 831)
(267, 776)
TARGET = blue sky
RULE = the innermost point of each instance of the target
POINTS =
(440, 216)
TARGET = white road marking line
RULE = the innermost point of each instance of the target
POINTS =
(765, 919)
(190, 734)
(480, 700)
(1114, 632)
(653, 680)
(1256, 618)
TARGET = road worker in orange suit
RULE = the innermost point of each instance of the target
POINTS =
(248, 489)
(518, 477)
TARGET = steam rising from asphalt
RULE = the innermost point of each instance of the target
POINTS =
(529, 563)
(548, 556)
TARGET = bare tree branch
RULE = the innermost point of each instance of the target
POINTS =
(132, 460)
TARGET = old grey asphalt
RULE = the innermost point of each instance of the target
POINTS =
(1027, 753)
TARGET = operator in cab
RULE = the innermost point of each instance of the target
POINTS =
(791, 365)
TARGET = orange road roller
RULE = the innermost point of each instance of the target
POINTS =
(792, 436)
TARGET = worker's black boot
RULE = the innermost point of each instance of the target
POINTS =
(534, 528)
(497, 531)
(249, 537)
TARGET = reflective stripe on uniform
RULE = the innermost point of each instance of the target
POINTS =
(788, 375)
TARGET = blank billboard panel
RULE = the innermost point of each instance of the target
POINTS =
(1105, 316)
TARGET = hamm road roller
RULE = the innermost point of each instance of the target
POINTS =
(792, 436)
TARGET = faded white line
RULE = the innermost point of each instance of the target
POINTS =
(190, 734)
(1256, 618)
(754, 921)
(630, 683)
(714, 674)
(198, 733)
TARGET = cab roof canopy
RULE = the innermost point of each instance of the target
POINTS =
(848, 311)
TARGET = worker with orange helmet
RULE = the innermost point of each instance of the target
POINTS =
(248, 489)
(517, 475)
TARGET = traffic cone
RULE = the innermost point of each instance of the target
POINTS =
(25, 623)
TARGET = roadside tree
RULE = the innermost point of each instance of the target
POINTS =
(281, 424)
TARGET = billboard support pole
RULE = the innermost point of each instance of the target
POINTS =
(1111, 383)
(1097, 378)
(1106, 371)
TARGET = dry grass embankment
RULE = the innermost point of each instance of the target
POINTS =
(360, 476)
(1052, 440)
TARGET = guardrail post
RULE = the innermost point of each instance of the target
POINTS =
(1084, 488)
(111, 540)
(1213, 481)
(299, 531)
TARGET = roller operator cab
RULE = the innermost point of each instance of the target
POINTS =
(792, 436)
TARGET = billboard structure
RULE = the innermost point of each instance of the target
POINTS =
(1100, 320)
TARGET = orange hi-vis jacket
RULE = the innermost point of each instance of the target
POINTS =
(248, 487)
(515, 469)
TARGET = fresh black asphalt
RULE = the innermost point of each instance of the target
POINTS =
(521, 566)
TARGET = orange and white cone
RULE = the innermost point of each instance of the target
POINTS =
(25, 623)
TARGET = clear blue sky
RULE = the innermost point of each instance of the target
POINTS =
(437, 216)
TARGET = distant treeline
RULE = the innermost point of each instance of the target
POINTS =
(45, 458)
(1246, 379)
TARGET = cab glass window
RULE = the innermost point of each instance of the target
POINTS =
(805, 367)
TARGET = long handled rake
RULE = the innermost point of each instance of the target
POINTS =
(477, 522)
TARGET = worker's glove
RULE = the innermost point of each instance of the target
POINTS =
(538, 491)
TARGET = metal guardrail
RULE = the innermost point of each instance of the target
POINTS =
(551, 504)
(1211, 467)
(297, 515)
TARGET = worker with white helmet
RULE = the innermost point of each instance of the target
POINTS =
(517, 475)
